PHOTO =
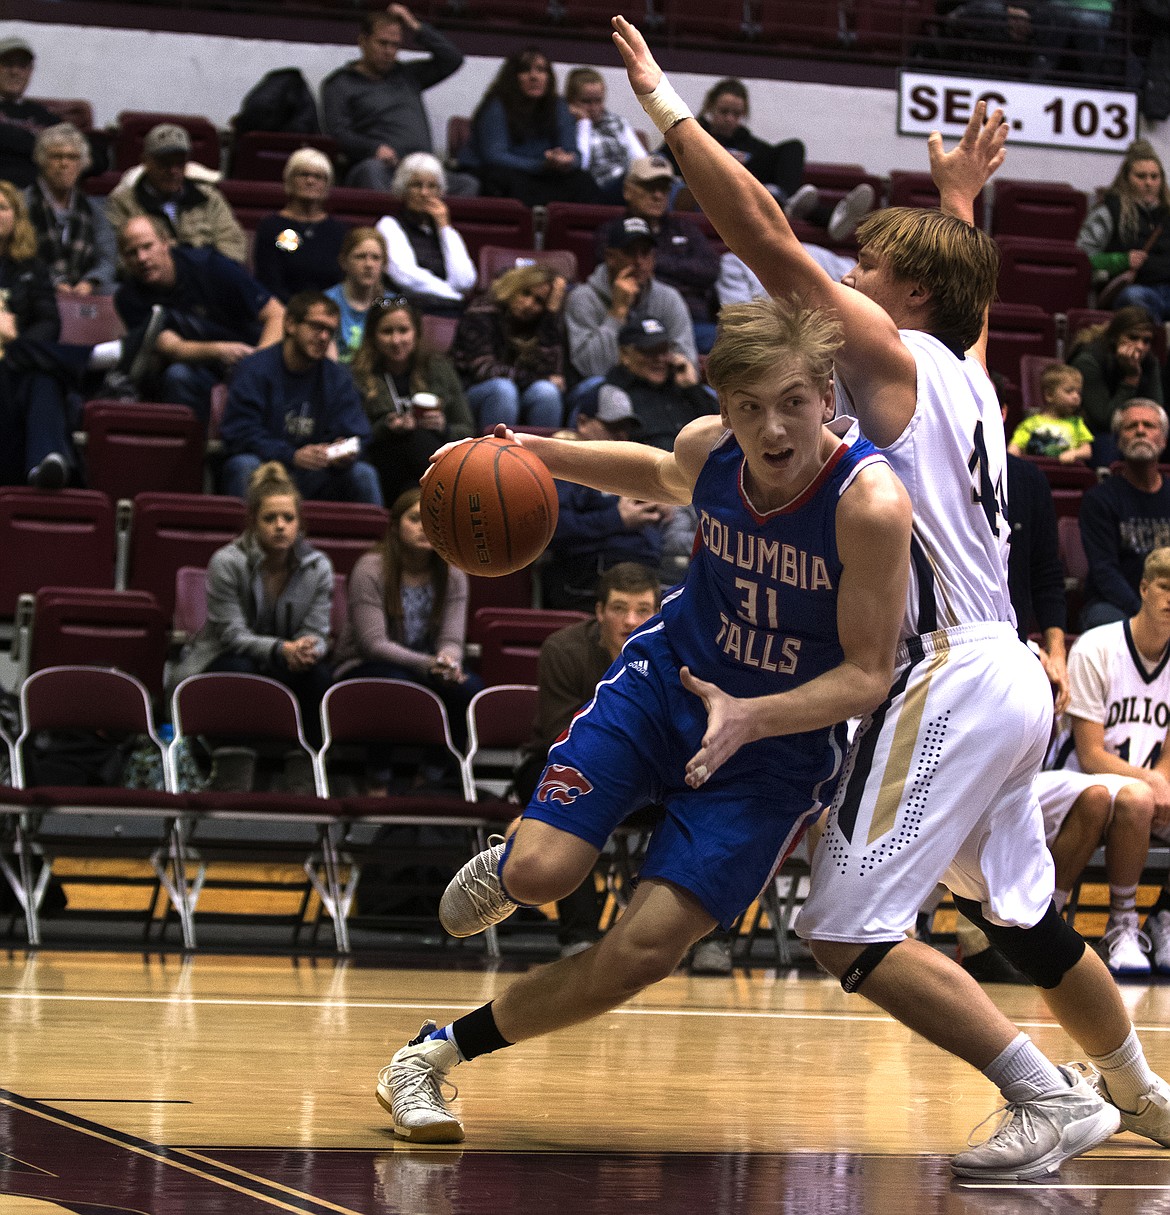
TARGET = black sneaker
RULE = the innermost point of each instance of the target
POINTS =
(51, 473)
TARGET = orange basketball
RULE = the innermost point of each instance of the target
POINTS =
(489, 506)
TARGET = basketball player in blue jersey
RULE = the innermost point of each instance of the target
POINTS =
(795, 525)
(937, 786)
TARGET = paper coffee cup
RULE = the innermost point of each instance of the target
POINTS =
(424, 404)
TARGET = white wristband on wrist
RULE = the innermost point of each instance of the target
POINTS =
(664, 106)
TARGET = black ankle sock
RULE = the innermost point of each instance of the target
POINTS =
(476, 1034)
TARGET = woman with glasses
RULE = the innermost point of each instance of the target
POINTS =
(74, 238)
(509, 349)
(426, 257)
(411, 394)
(297, 248)
(363, 262)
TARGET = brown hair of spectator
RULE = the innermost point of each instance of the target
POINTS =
(367, 368)
(731, 85)
(391, 553)
(956, 262)
(754, 337)
(358, 236)
(298, 307)
(1056, 375)
(1132, 319)
(371, 21)
(22, 244)
(522, 112)
(629, 578)
(269, 481)
(578, 78)
(1128, 219)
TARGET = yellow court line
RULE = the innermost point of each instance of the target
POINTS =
(255, 1177)
(163, 1158)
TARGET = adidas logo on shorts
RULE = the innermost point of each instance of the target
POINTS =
(641, 666)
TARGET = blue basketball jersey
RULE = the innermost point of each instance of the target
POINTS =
(757, 612)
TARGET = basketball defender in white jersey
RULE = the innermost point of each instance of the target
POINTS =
(938, 783)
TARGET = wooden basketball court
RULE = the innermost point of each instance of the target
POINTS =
(215, 1084)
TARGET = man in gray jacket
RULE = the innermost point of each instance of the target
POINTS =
(373, 106)
(624, 289)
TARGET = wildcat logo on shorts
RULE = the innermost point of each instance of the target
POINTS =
(562, 784)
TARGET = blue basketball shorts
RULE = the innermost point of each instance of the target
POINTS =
(628, 748)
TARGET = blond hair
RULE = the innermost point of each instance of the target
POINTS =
(311, 160)
(269, 481)
(1157, 565)
(752, 338)
(22, 244)
(1057, 375)
(956, 263)
(519, 279)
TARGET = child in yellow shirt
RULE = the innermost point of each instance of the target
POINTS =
(1057, 430)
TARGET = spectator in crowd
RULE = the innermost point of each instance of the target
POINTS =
(624, 288)
(1127, 235)
(1126, 516)
(607, 144)
(269, 599)
(408, 618)
(373, 106)
(659, 386)
(411, 393)
(1057, 431)
(779, 166)
(20, 119)
(523, 138)
(1117, 365)
(34, 423)
(195, 213)
(738, 284)
(596, 530)
(1079, 27)
(509, 349)
(297, 249)
(426, 257)
(74, 238)
(683, 257)
(1109, 668)
(572, 661)
(363, 265)
(293, 404)
(201, 313)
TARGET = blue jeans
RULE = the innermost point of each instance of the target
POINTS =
(356, 483)
(34, 421)
(1153, 297)
(190, 384)
(499, 400)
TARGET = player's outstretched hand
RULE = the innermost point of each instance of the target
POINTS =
(643, 72)
(965, 169)
(729, 727)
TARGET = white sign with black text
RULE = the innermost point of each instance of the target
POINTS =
(1050, 115)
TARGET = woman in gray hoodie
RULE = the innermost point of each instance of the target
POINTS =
(269, 595)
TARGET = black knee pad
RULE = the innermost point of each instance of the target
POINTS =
(865, 964)
(1045, 952)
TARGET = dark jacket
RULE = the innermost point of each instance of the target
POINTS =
(1104, 391)
(1035, 576)
(31, 298)
(1120, 527)
(485, 346)
(662, 409)
(21, 121)
(361, 113)
(684, 259)
(270, 413)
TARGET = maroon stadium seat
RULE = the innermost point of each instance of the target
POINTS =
(1048, 209)
(133, 126)
(343, 530)
(1015, 330)
(135, 446)
(495, 259)
(261, 155)
(574, 226)
(1052, 274)
(87, 320)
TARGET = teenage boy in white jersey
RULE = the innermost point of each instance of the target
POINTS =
(1117, 723)
(938, 783)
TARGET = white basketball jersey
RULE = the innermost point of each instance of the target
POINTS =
(952, 459)
(1111, 684)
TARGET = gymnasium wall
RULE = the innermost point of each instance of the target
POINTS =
(119, 69)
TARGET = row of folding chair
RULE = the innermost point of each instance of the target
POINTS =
(252, 709)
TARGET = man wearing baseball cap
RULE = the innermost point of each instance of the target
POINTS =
(623, 288)
(683, 256)
(21, 121)
(195, 213)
